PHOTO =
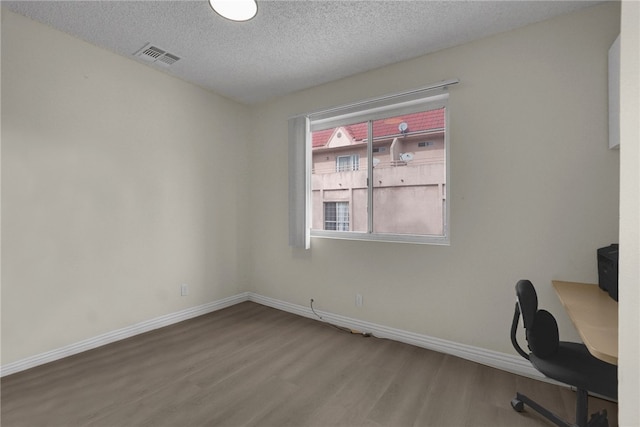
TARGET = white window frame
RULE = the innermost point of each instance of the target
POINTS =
(428, 98)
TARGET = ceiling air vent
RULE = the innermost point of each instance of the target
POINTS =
(156, 55)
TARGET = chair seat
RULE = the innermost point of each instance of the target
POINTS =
(574, 365)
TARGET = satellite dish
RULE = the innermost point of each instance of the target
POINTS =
(375, 161)
(402, 127)
(406, 157)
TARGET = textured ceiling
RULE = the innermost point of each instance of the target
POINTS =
(289, 45)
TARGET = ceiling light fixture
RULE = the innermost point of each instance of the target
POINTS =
(235, 10)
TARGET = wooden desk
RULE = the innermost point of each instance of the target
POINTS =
(594, 314)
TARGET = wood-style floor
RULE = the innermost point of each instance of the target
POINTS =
(251, 365)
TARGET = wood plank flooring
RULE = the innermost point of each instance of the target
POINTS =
(251, 365)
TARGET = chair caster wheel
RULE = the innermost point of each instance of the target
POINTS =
(517, 405)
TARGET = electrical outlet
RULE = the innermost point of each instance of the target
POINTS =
(358, 300)
(184, 289)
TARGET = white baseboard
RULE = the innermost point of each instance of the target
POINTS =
(502, 361)
(120, 334)
(505, 362)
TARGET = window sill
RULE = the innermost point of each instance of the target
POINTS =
(393, 238)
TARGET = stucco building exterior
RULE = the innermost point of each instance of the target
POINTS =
(409, 175)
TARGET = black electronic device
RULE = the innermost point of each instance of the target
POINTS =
(608, 270)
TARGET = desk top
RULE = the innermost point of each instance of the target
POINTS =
(594, 314)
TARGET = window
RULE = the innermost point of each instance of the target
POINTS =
(336, 216)
(347, 163)
(384, 184)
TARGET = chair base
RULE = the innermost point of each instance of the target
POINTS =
(599, 419)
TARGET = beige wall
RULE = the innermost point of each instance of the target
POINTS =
(629, 315)
(117, 186)
(534, 187)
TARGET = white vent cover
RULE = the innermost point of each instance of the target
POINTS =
(168, 59)
(156, 55)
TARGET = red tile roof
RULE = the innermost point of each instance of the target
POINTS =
(321, 137)
(416, 122)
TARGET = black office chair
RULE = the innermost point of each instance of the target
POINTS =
(567, 362)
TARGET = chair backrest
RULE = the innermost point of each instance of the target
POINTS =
(528, 302)
(540, 325)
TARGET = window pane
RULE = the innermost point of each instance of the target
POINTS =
(336, 216)
(342, 216)
(409, 174)
(347, 163)
(330, 216)
(339, 178)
